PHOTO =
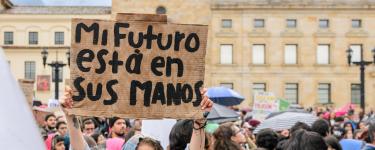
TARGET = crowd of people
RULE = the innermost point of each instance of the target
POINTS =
(350, 131)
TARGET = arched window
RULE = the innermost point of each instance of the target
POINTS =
(161, 10)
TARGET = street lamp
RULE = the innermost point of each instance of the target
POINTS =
(55, 65)
(362, 63)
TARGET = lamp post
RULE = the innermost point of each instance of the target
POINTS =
(362, 66)
(55, 65)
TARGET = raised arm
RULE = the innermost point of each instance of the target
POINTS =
(197, 138)
(76, 137)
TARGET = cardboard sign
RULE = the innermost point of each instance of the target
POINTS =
(137, 69)
(28, 89)
(264, 104)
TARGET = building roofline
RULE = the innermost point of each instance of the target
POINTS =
(58, 10)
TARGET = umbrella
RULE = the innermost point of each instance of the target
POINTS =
(285, 121)
(224, 96)
(220, 114)
(289, 110)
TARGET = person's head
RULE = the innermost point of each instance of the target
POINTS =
(148, 144)
(118, 126)
(339, 119)
(361, 125)
(228, 136)
(348, 127)
(320, 115)
(58, 143)
(338, 132)
(300, 125)
(332, 115)
(61, 128)
(371, 131)
(306, 140)
(137, 124)
(180, 134)
(332, 143)
(99, 138)
(50, 121)
(321, 126)
(88, 126)
(267, 138)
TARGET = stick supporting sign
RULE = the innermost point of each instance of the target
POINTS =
(137, 69)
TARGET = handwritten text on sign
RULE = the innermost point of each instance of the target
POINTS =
(137, 69)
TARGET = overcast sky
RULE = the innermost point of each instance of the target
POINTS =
(63, 2)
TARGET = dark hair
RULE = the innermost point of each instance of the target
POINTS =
(48, 116)
(223, 136)
(320, 126)
(95, 136)
(56, 139)
(88, 121)
(339, 119)
(333, 142)
(180, 134)
(319, 113)
(149, 141)
(300, 125)
(306, 140)
(58, 124)
(113, 120)
(346, 123)
(267, 138)
(130, 134)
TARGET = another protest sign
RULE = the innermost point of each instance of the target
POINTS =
(264, 104)
(137, 69)
(28, 89)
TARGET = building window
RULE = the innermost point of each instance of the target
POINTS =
(356, 23)
(33, 38)
(323, 23)
(291, 92)
(324, 93)
(226, 52)
(226, 23)
(357, 52)
(356, 93)
(291, 23)
(59, 38)
(258, 23)
(258, 54)
(322, 54)
(8, 38)
(60, 75)
(30, 70)
(227, 85)
(259, 87)
(161, 10)
(290, 54)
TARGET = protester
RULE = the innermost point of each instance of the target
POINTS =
(58, 143)
(148, 144)
(88, 126)
(321, 126)
(332, 143)
(306, 140)
(50, 123)
(371, 136)
(228, 137)
(62, 129)
(267, 139)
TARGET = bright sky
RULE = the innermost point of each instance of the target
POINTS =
(63, 2)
